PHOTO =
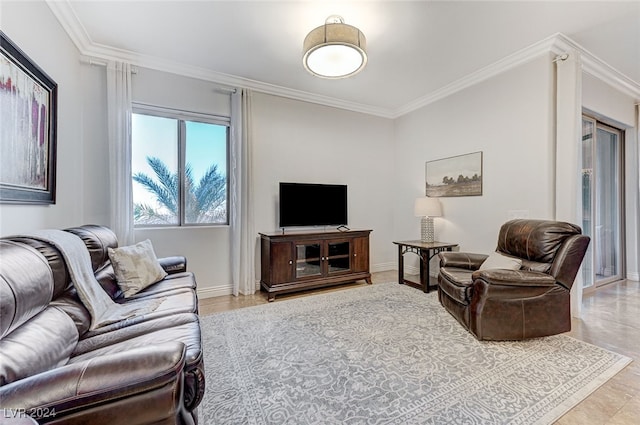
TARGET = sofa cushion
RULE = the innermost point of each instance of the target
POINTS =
(106, 277)
(184, 280)
(136, 267)
(174, 302)
(499, 261)
(43, 343)
(26, 284)
(70, 303)
(61, 278)
(97, 239)
(183, 328)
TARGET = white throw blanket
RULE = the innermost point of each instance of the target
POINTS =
(102, 308)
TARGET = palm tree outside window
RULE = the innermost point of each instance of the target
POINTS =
(179, 169)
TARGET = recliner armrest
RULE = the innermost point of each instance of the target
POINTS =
(175, 264)
(506, 277)
(461, 260)
(95, 383)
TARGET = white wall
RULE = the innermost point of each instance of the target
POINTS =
(508, 118)
(34, 29)
(95, 162)
(206, 250)
(301, 142)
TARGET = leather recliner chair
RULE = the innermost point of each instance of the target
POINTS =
(501, 304)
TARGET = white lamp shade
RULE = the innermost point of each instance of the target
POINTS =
(427, 207)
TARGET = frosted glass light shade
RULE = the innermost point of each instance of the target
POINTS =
(334, 50)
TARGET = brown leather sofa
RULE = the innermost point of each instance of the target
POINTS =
(141, 370)
(501, 304)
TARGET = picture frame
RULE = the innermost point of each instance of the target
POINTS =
(459, 175)
(28, 121)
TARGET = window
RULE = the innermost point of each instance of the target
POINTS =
(179, 168)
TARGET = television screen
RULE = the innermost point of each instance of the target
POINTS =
(306, 204)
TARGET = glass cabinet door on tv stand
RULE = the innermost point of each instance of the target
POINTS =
(308, 259)
(318, 259)
(338, 258)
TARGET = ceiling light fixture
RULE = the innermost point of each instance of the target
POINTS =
(335, 49)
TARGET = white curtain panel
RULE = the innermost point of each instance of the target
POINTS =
(568, 198)
(119, 133)
(243, 237)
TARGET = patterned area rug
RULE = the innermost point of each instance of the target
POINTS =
(385, 354)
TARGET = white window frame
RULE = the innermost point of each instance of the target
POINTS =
(182, 116)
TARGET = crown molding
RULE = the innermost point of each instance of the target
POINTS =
(104, 54)
(515, 59)
(70, 22)
(596, 67)
(557, 43)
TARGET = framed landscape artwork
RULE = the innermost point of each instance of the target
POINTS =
(28, 100)
(455, 176)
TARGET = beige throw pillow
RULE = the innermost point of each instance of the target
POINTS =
(136, 267)
(499, 261)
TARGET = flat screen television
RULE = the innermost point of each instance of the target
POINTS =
(307, 204)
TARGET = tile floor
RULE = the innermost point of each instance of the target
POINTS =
(611, 319)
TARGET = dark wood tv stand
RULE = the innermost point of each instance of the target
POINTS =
(294, 261)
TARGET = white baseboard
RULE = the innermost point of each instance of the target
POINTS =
(217, 291)
(416, 270)
(635, 276)
(220, 291)
(384, 267)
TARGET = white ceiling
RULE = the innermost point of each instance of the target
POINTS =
(415, 48)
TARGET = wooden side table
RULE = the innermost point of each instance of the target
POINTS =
(424, 250)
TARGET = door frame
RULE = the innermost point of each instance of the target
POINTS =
(603, 124)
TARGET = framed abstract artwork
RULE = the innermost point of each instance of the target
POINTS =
(28, 103)
(455, 176)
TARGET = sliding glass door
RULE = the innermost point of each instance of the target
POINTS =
(602, 202)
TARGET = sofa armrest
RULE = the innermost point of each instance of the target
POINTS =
(506, 277)
(152, 373)
(461, 260)
(175, 264)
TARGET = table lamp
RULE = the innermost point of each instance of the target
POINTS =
(427, 208)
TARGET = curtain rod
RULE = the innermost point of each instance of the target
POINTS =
(92, 61)
(225, 89)
(99, 62)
